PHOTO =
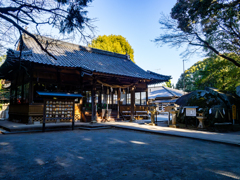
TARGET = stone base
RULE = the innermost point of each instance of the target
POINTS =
(92, 122)
(173, 125)
(151, 124)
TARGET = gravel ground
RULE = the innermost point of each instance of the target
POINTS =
(114, 154)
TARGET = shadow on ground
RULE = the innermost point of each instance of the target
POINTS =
(114, 154)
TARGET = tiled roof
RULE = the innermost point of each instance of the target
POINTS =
(72, 55)
(163, 92)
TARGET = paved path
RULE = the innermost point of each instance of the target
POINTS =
(114, 154)
(229, 138)
(20, 127)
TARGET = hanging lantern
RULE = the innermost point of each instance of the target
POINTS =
(123, 91)
(115, 91)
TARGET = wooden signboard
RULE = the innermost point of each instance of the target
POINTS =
(56, 110)
(191, 112)
(59, 109)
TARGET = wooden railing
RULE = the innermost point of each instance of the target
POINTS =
(136, 108)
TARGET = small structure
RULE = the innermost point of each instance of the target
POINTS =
(103, 79)
(163, 96)
(214, 107)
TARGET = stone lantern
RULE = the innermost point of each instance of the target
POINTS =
(201, 119)
(152, 109)
(173, 110)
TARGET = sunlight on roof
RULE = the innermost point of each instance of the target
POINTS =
(138, 142)
(225, 173)
(87, 139)
(4, 143)
(39, 161)
(80, 157)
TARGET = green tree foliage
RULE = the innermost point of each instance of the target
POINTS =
(211, 72)
(168, 84)
(113, 43)
(68, 16)
(2, 59)
(210, 25)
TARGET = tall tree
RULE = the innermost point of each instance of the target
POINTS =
(211, 72)
(211, 25)
(68, 16)
(113, 43)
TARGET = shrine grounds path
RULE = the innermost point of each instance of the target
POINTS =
(114, 154)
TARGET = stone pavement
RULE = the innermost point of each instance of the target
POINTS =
(13, 127)
(227, 138)
(232, 138)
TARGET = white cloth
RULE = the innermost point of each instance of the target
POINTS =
(210, 111)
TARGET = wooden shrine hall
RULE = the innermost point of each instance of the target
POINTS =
(105, 82)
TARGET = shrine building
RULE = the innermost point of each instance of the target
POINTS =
(76, 83)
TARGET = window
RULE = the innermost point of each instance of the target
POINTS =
(129, 98)
(109, 99)
(137, 98)
(114, 99)
(143, 98)
(96, 98)
(88, 96)
(123, 98)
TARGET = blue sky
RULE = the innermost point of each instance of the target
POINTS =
(137, 21)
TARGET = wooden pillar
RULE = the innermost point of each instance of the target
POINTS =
(140, 98)
(23, 77)
(93, 93)
(81, 92)
(31, 88)
(100, 100)
(118, 102)
(147, 96)
(73, 115)
(44, 115)
(112, 98)
(126, 92)
(132, 103)
(100, 97)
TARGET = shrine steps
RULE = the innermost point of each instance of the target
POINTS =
(112, 118)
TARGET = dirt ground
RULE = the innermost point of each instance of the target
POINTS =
(114, 154)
